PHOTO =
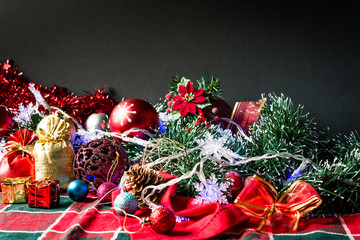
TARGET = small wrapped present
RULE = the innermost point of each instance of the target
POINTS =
(44, 194)
(15, 190)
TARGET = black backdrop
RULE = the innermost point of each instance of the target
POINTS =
(307, 50)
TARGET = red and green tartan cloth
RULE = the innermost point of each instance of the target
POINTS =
(75, 220)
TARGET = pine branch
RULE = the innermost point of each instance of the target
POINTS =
(211, 85)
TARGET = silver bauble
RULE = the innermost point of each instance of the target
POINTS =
(98, 121)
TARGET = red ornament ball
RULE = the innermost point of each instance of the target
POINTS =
(134, 113)
(162, 220)
(219, 109)
(237, 183)
(103, 190)
(5, 121)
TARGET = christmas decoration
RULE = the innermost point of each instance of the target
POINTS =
(103, 192)
(259, 200)
(211, 191)
(19, 159)
(53, 152)
(187, 99)
(236, 183)
(216, 147)
(218, 110)
(133, 114)
(28, 116)
(139, 177)
(6, 121)
(14, 90)
(97, 121)
(3, 150)
(246, 114)
(162, 147)
(126, 202)
(77, 190)
(338, 182)
(281, 144)
(15, 190)
(162, 220)
(100, 159)
(44, 194)
(83, 136)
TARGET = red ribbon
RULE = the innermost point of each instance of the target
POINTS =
(259, 200)
(246, 114)
(201, 119)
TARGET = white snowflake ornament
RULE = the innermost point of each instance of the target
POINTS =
(215, 147)
(211, 191)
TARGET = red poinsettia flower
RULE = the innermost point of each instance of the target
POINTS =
(187, 99)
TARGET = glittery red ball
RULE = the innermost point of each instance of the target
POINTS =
(5, 121)
(134, 113)
(103, 190)
(162, 220)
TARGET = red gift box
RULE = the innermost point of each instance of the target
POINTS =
(44, 194)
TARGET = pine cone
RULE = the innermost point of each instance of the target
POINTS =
(140, 177)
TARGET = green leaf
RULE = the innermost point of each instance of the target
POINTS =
(202, 105)
(183, 81)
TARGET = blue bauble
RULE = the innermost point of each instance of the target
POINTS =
(127, 202)
(77, 190)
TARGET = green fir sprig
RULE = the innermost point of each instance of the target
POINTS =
(338, 181)
(209, 83)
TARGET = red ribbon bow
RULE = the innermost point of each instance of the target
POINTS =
(259, 200)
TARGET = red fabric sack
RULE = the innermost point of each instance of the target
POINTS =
(206, 220)
(19, 161)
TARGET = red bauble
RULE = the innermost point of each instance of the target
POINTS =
(218, 109)
(5, 121)
(103, 190)
(134, 113)
(162, 220)
(237, 183)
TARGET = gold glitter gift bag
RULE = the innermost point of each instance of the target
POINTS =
(53, 152)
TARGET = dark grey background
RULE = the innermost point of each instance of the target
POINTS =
(307, 50)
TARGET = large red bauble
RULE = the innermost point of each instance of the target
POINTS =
(134, 113)
(5, 121)
(218, 109)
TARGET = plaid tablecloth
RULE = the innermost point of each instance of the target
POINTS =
(83, 220)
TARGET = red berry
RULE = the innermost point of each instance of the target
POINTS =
(168, 110)
(169, 104)
(215, 111)
(168, 96)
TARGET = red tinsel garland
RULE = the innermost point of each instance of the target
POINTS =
(14, 90)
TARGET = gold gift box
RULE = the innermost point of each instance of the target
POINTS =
(15, 190)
